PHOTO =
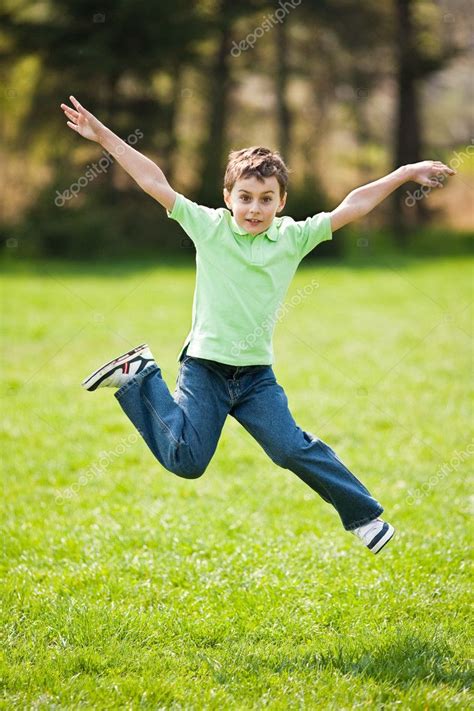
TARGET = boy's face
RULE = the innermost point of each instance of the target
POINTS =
(254, 203)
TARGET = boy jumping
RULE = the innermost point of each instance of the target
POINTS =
(246, 258)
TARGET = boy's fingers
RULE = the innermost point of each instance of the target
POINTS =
(443, 168)
(72, 125)
(71, 114)
(441, 172)
(79, 108)
(67, 110)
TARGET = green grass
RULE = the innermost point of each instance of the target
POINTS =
(239, 590)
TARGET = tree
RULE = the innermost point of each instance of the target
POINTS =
(219, 84)
(416, 61)
(124, 62)
(284, 118)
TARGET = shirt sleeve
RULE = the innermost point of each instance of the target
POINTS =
(199, 222)
(312, 231)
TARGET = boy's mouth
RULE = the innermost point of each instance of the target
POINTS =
(254, 223)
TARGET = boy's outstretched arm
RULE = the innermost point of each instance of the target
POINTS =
(362, 200)
(146, 173)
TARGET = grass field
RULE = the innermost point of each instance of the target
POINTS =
(125, 586)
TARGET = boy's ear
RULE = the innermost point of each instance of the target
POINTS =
(227, 198)
(282, 202)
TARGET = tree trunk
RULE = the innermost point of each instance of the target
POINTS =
(210, 192)
(408, 127)
(283, 112)
(171, 112)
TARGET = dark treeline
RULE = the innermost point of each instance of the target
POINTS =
(188, 81)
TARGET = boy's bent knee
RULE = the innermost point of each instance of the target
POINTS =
(290, 452)
(285, 456)
(184, 463)
(189, 471)
(281, 459)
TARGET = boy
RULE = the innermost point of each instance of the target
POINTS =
(246, 258)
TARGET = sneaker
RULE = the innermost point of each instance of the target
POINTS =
(119, 371)
(375, 534)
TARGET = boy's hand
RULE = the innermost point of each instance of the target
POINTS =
(361, 201)
(431, 173)
(82, 121)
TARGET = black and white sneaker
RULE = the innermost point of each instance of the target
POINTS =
(119, 371)
(375, 534)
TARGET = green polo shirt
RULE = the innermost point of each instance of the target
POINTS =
(241, 280)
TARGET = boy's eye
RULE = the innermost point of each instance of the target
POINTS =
(246, 198)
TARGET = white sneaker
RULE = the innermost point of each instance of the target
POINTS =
(375, 534)
(119, 371)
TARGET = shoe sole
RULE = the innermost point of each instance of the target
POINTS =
(93, 380)
(388, 535)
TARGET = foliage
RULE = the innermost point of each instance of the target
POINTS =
(167, 69)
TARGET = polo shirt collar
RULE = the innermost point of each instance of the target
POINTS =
(271, 233)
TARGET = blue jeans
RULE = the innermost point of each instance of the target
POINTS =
(182, 430)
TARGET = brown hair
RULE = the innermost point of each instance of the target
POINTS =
(258, 162)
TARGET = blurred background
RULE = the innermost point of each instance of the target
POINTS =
(345, 90)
